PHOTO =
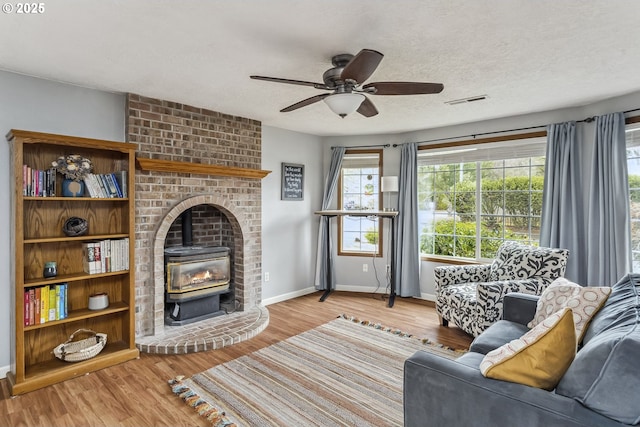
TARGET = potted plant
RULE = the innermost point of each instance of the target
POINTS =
(75, 168)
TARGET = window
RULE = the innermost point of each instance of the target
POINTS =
(633, 171)
(359, 187)
(473, 197)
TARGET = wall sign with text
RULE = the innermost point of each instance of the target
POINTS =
(292, 181)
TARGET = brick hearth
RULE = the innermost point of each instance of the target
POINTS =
(210, 334)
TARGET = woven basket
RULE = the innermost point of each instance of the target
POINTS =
(77, 351)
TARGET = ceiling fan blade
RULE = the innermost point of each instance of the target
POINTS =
(367, 108)
(361, 66)
(404, 88)
(305, 102)
(289, 81)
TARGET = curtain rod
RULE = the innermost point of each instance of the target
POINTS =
(587, 120)
(365, 146)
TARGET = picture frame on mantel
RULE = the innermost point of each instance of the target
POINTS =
(292, 181)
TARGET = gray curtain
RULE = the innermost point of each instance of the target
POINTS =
(325, 270)
(562, 222)
(407, 256)
(609, 223)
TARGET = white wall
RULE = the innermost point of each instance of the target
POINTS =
(289, 227)
(349, 269)
(39, 105)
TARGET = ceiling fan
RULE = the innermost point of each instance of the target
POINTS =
(346, 79)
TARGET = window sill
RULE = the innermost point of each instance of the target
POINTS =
(451, 260)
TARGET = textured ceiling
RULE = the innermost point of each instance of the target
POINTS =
(525, 55)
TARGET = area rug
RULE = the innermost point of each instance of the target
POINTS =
(346, 372)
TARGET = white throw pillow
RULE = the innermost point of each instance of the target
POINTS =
(584, 302)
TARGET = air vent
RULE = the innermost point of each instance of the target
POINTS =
(465, 100)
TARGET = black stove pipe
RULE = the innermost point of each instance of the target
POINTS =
(187, 228)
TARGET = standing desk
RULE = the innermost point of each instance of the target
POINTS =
(391, 215)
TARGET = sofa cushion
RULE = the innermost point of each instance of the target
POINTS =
(620, 310)
(517, 261)
(539, 358)
(497, 335)
(604, 375)
(584, 302)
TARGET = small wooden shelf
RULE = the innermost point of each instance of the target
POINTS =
(77, 239)
(82, 314)
(75, 277)
(55, 371)
(76, 199)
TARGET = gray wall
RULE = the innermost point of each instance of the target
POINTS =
(40, 105)
(289, 228)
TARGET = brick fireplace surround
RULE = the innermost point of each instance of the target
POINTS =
(227, 212)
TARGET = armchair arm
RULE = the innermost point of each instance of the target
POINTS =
(490, 297)
(452, 274)
(446, 393)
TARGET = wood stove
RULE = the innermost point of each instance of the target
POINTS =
(195, 277)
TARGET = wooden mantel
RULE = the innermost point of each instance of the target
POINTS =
(198, 168)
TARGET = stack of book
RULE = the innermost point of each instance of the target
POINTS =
(45, 304)
(107, 185)
(38, 183)
(105, 256)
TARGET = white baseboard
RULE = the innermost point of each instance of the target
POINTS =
(4, 370)
(288, 296)
(346, 288)
(428, 297)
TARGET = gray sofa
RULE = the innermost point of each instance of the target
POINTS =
(601, 387)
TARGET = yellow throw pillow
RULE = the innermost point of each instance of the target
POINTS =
(584, 301)
(539, 358)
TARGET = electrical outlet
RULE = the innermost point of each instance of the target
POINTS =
(266, 276)
(365, 267)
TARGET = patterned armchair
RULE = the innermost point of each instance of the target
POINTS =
(471, 296)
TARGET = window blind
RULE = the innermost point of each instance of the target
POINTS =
(503, 150)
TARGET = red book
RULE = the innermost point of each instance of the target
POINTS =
(32, 308)
(27, 312)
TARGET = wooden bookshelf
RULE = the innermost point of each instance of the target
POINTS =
(37, 237)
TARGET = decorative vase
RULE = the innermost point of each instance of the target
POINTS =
(71, 188)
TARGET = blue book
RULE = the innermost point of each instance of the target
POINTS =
(114, 180)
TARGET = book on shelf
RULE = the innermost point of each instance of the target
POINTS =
(37, 306)
(109, 185)
(114, 181)
(38, 183)
(52, 304)
(45, 304)
(27, 308)
(88, 258)
(97, 257)
(121, 180)
(105, 256)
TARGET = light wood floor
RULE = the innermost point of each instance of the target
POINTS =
(136, 393)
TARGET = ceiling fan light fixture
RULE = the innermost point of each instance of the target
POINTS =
(344, 103)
